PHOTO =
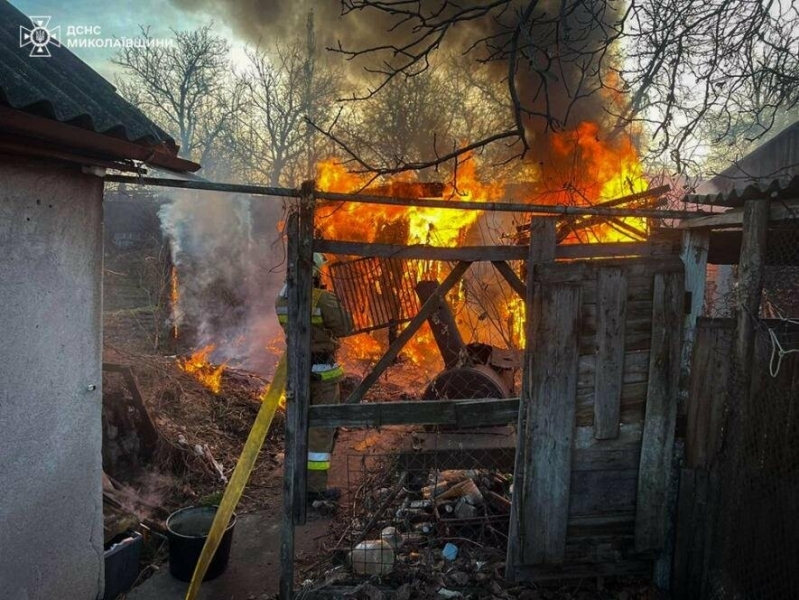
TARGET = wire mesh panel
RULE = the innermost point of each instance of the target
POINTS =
(436, 499)
(756, 552)
(752, 544)
(377, 292)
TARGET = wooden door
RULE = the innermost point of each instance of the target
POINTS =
(599, 405)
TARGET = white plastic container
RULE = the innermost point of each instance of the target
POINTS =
(376, 557)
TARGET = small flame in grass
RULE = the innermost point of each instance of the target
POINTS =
(198, 366)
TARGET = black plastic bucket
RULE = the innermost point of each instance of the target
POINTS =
(187, 530)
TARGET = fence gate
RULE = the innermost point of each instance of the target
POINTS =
(597, 418)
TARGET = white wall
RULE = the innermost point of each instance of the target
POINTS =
(51, 530)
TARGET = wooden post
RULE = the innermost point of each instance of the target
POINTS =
(299, 279)
(657, 443)
(543, 231)
(611, 316)
(304, 298)
(750, 282)
(695, 245)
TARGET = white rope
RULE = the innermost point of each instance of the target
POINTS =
(777, 351)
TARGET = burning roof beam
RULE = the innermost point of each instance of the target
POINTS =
(516, 207)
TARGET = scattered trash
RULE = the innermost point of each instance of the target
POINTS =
(376, 557)
(450, 551)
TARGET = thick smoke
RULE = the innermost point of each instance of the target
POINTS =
(229, 272)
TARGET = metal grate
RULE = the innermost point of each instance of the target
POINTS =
(377, 292)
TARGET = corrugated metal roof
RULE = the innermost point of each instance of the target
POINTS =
(777, 189)
(64, 88)
(775, 158)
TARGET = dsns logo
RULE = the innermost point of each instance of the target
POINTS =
(39, 37)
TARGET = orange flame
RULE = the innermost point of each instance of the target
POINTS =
(202, 370)
(584, 168)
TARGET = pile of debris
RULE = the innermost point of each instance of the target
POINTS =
(437, 534)
(431, 520)
(185, 439)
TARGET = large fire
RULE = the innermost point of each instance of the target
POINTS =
(582, 169)
(199, 366)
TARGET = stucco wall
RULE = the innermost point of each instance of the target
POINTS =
(51, 531)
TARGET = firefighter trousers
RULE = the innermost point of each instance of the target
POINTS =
(321, 439)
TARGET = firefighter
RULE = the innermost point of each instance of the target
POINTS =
(329, 322)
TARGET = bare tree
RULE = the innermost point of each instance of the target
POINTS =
(665, 64)
(185, 87)
(286, 88)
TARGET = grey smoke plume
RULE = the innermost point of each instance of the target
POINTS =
(560, 44)
(229, 272)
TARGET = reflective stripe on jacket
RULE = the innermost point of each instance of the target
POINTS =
(318, 461)
(329, 320)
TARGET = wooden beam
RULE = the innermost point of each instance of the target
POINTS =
(777, 211)
(661, 413)
(543, 240)
(393, 351)
(204, 185)
(515, 207)
(611, 316)
(422, 252)
(487, 253)
(510, 276)
(551, 423)
(458, 413)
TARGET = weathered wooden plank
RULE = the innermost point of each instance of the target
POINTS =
(694, 256)
(611, 317)
(515, 207)
(299, 279)
(488, 253)
(580, 271)
(690, 540)
(459, 413)
(553, 386)
(637, 336)
(750, 283)
(661, 412)
(633, 403)
(541, 250)
(421, 251)
(636, 368)
(638, 288)
(299, 354)
(425, 311)
(616, 454)
(708, 391)
(601, 492)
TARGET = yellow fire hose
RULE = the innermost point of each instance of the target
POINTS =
(241, 474)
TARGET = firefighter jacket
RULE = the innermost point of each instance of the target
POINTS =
(329, 321)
